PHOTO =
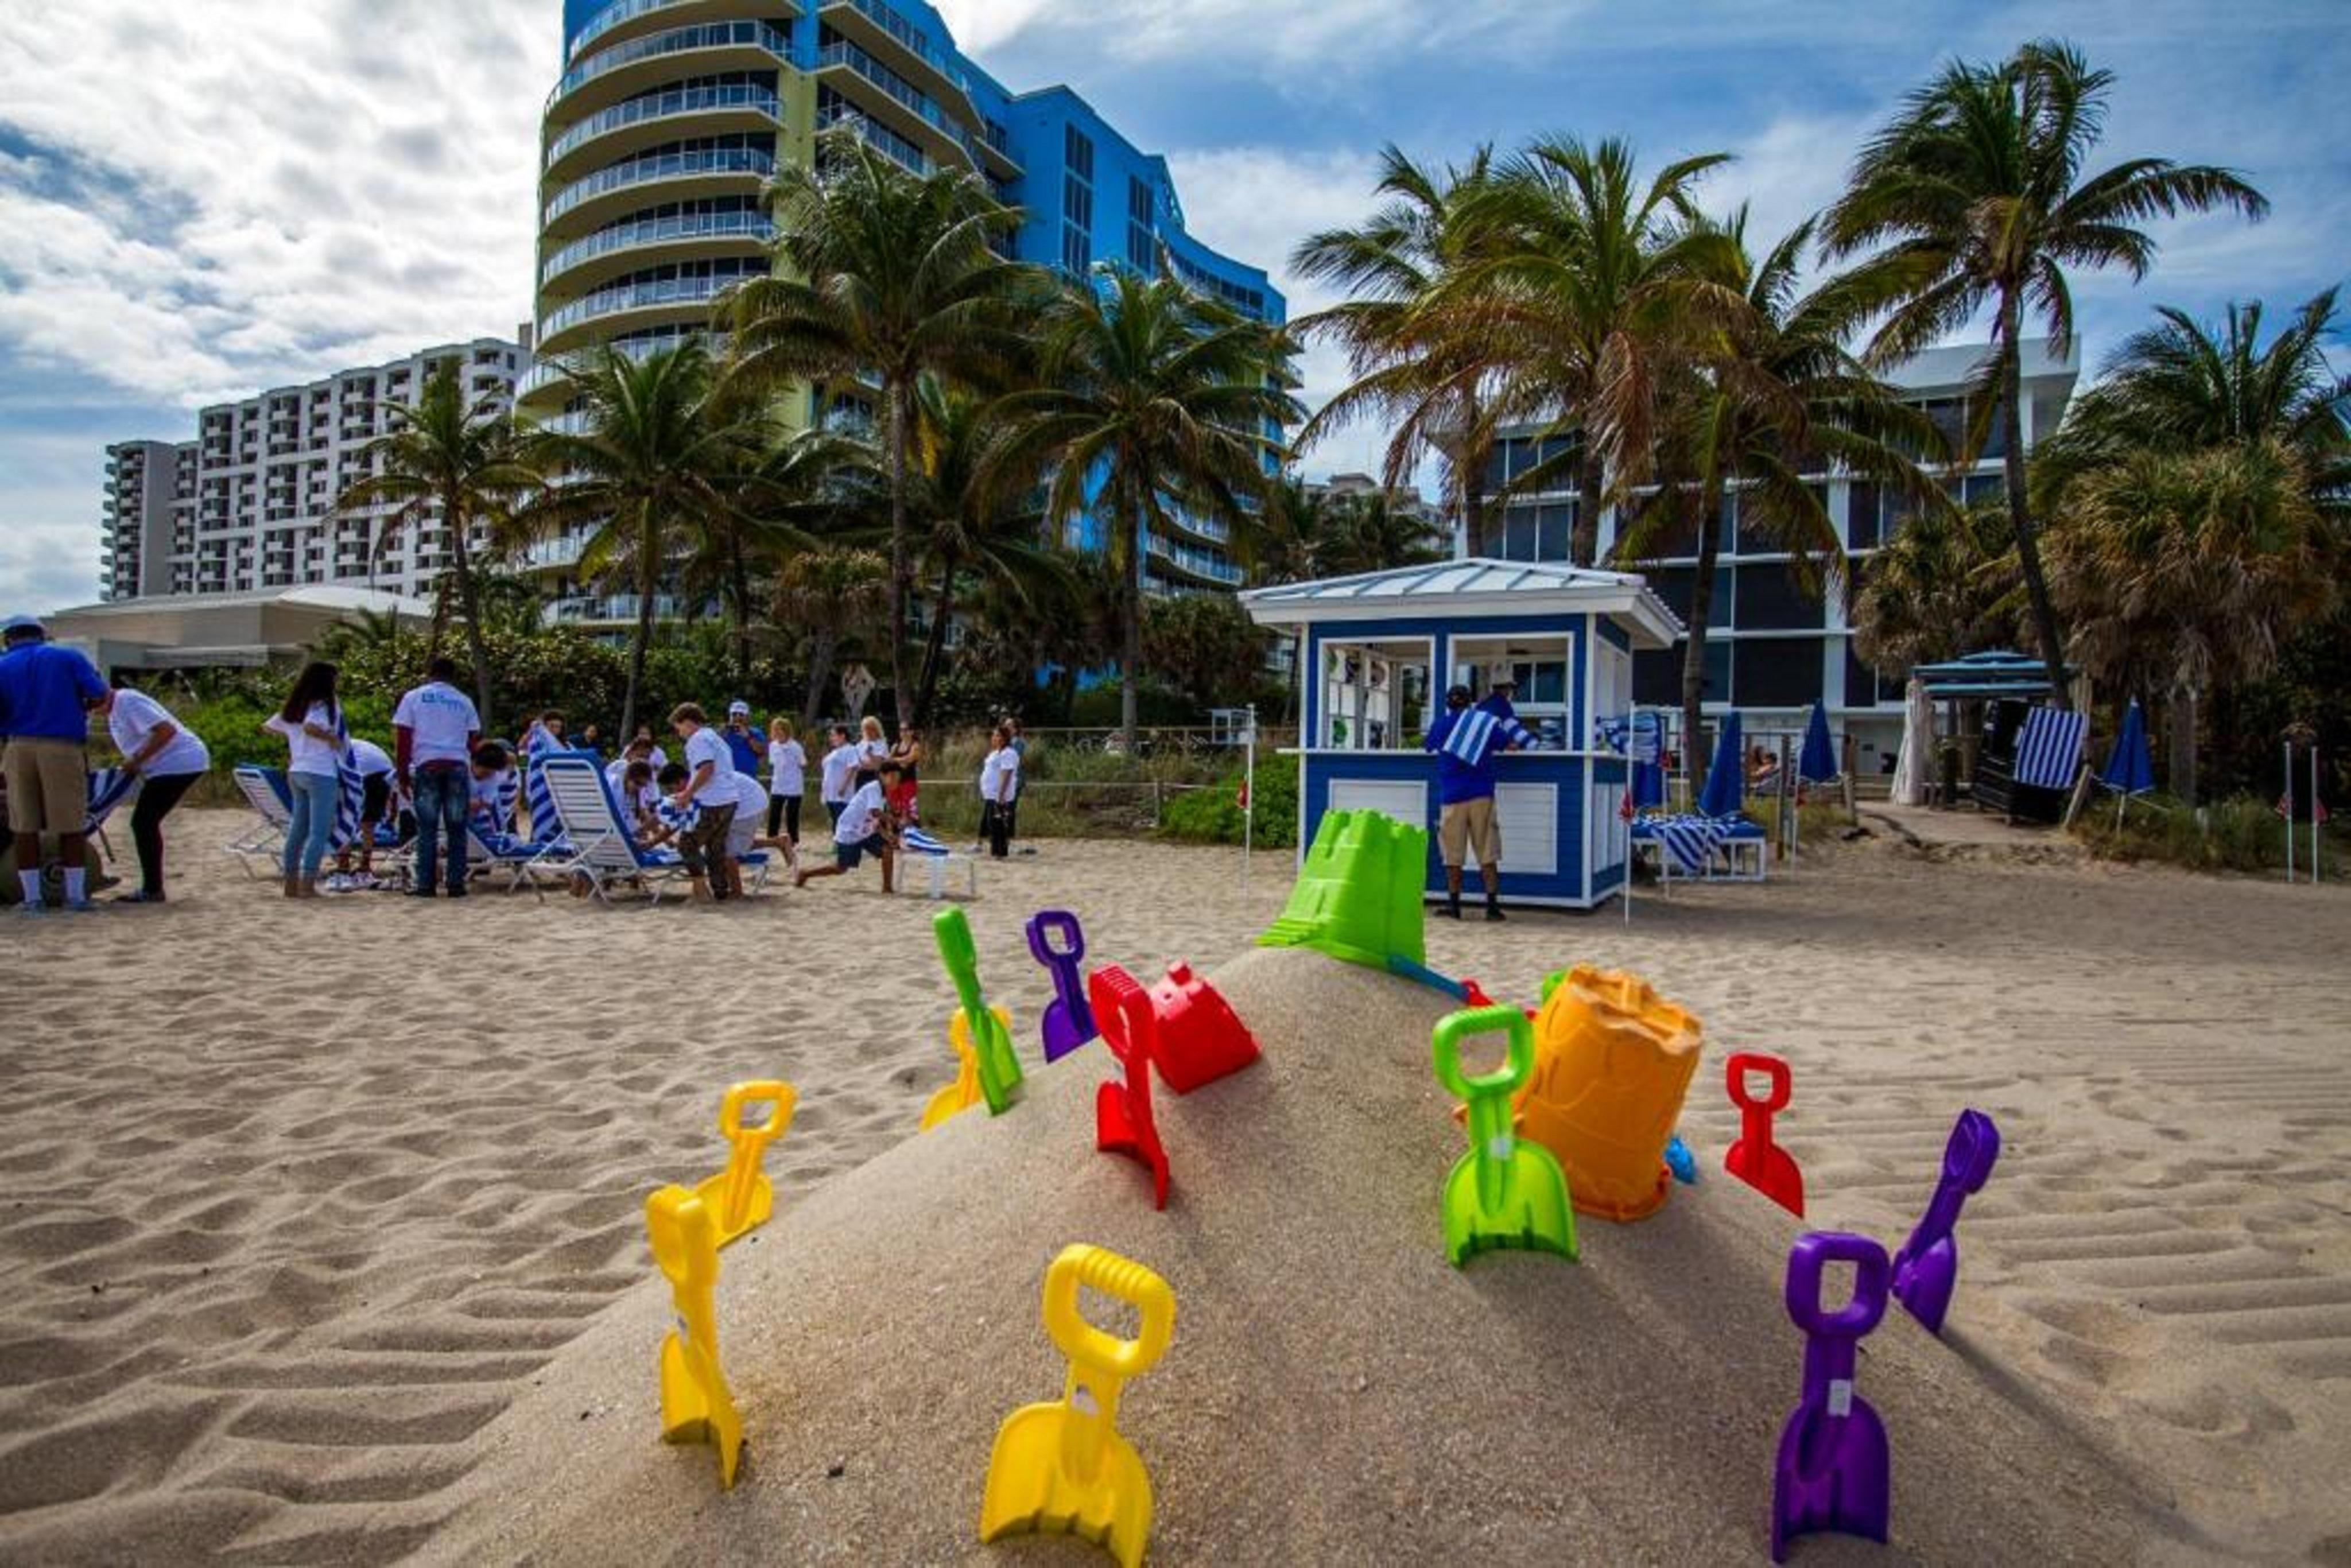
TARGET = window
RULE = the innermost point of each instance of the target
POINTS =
(1077, 250)
(1778, 671)
(1142, 250)
(1077, 201)
(1863, 686)
(1375, 694)
(1138, 202)
(1771, 600)
(1540, 664)
(1078, 153)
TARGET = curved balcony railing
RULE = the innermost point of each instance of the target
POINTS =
(611, 16)
(659, 166)
(900, 91)
(636, 346)
(1198, 563)
(881, 137)
(640, 232)
(678, 40)
(614, 606)
(636, 297)
(664, 106)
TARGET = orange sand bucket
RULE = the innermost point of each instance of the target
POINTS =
(1613, 1062)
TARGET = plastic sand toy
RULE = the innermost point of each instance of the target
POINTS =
(695, 1405)
(1680, 1161)
(989, 1030)
(1928, 1266)
(963, 1094)
(1200, 1038)
(1755, 1159)
(1358, 894)
(1067, 1022)
(740, 1198)
(1833, 1472)
(1505, 1192)
(1613, 1062)
(1123, 1124)
(1063, 1467)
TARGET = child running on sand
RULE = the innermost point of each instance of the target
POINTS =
(865, 828)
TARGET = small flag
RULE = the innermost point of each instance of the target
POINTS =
(1241, 798)
(1624, 807)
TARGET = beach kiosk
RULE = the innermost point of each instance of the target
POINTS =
(1376, 653)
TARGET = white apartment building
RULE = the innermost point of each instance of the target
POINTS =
(249, 504)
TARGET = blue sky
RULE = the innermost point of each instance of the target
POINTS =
(202, 200)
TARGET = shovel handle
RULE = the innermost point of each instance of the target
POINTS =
(1445, 1045)
(1121, 1279)
(684, 1237)
(961, 957)
(772, 1092)
(1974, 1147)
(1122, 1012)
(1044, 926)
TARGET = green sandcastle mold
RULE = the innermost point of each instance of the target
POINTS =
(1358, 896)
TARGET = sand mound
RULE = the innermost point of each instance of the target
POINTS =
(1334, 1393)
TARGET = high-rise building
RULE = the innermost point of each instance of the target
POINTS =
(1772, 650)
(670, 115)
(250, 504)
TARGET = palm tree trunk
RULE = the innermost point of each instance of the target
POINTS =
(2181, 722)
(902, 561)
(738, 577)
(470, 592)
(821, 647)
(934, 646)
(2019, 514)
(641, 639)
(1583, 548)
(1131, 627)
(1701, 614)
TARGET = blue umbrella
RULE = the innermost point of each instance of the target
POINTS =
(1648, 772)
(1818, 763)
(2130, 768)
(1726, 782)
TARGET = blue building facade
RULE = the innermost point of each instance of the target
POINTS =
(671, 115)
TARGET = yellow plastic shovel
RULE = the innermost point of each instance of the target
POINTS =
(965, 1092)
(696, 1406)
(1063, 1466)
(740, 1198)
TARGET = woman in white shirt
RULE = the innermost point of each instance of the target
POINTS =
(166, 758)
(999, 782)
(311, 720)
(787, 780)
(873, 751)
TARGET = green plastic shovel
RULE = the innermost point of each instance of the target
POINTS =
(1504, 1192)
(991, 1042)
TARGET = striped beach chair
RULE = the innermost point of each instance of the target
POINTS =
(937, 861)
(599, 844)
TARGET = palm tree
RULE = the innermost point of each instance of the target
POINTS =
(1944, 585)
(2186, 570)
(833, 594)
(1977, 192)
(2182, 387)
(458, 465)
(1155, 403)
(885, 275)
(794, 489)
(1585, 275)
(1418, 366)
(661, 463)
(1768, 395)
(1297, 537)
(1374, 534)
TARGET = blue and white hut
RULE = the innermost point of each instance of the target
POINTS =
(1377, 651)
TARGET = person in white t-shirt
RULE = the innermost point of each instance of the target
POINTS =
(166, 758)
(840, 772)
(786, 780)
(865, 828)
(434, 730)
(872, 750)
(999, 782)
(377, 807)
(311, 721)
(743, 833)
(709, 787)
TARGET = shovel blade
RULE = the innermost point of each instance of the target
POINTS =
(1535, 1214)
(1030, 1491)
(1769, 1170)
(1117, 1131)
(1064, 1028)
(1923, 1282)
(1833, 1476)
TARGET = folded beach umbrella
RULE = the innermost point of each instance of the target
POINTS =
(109, 788)
(2130, 768)
(1726, 782)
(1648, 770)
(1817, 764)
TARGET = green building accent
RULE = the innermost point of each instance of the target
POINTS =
(1358, 895)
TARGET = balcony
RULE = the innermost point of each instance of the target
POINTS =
(735, 106)
(881, 138)
(548, 373)
(897, 44)
(697, 236)
(859, 77)
(1194, 563)
(625, 19)
(667, 294)
(727, 166)
(626, 70)
(615, 609)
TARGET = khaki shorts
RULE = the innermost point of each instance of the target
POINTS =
(48, 787)
(1470, 827)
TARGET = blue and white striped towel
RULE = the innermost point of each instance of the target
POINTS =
(1691, 841)
(2048, 748)
(109, 788)
(546, 822)
(678, 818)
(919, 842)
(1477, 731)
(350, 796)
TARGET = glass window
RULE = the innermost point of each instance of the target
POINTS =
(1540, 664)
(1079, 152)
(1771, 600)
(1717, 671)
(1778, 671)
(1861, 516)
(1375, 694)
(1555, 526)
(1518, 543)
(1864, 687)
(1984, 487)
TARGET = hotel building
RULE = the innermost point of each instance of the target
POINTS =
(671, 115)
(1773, 651)
(249, 504)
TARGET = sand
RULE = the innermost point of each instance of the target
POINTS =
(323, 1223)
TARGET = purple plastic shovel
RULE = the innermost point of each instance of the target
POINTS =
(1834, 1471)
(1068, 1020)
(1928, 1265)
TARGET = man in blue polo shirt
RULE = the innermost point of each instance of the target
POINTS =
(1466, 740)
(46, 695)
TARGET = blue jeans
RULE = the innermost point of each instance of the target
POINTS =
(316, 796)
(443, 795)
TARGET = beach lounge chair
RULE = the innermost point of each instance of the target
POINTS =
(264, 790)
(1704, 849)
(599, 844)
(938, 861)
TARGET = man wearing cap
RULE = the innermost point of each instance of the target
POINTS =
(1466, 741)
(743, 748)
(46, 695)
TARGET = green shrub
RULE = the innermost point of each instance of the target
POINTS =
(1213, 815)
(2242, 833)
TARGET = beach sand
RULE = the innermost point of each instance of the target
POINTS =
(313, 1215)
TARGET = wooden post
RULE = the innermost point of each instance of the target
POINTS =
(1851, 799)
